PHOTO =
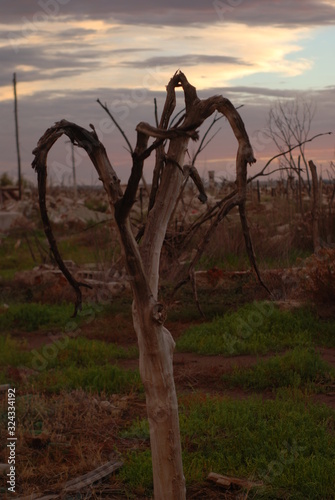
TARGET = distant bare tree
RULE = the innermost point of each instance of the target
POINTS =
(290, 123)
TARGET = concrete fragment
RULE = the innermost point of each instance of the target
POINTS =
(8, 219)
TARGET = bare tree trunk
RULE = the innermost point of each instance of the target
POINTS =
(315, 206)
(156, 369)
(156, 347)
(155, 342)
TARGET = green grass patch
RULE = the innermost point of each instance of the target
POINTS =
(288, 443)
(34, 316)
(96, 204)
(79, 352)
(299, 368)
(257, 328)
(12, 353)
(139, 429)
(15, 254)
(72, 363)
(96, 379)
(70, 248)
(22, 250)
(212, 301)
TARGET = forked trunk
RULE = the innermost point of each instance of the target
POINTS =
(155, 342)
(156, 369)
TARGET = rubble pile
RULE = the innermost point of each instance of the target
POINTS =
(70, 213)
(47, 283)
(62, 209)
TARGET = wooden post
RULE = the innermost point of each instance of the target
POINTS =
(17, 137)
(258, 192)
(211, 181)
(315, 206)
(74, 173)
(300, 188)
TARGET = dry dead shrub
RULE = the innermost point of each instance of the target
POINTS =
(317, 277)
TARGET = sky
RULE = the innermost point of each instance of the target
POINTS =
(68, 53)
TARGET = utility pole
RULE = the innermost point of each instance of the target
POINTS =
(74, 173)
(17, 137)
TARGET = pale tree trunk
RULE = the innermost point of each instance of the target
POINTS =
(315, 206)
(156, 344)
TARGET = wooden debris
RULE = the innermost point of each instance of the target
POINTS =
(80, 482)
(93, 476)
(229, 481)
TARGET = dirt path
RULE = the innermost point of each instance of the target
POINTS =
(192, 372)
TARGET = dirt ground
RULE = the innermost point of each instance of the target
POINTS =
(192, 372)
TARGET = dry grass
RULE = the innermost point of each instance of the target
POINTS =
(62, 437)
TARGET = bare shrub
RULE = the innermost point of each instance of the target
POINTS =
(317, 277)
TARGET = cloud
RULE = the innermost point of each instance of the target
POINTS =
(34, 63)
(212, 57)
(76, 40)
(286, 13)
(263, 92)
(176, 13)
(185, 60)
(73, 33)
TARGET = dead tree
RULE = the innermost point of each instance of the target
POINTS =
(155, 342)
(290, 123)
